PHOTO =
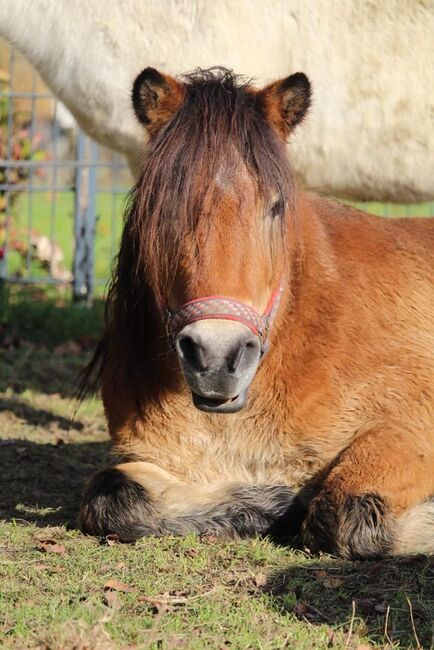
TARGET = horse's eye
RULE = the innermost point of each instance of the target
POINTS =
(277, 209)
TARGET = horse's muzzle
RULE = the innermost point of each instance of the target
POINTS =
(219, 360)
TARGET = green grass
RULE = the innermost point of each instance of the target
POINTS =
(61, 229)
(180, 592)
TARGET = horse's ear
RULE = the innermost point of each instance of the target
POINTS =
(286, 102)
(156, 97)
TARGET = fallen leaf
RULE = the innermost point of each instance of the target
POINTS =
(373, 569)
(364, 605)
(333, 583)
(304, 610)
(110, 540)
(158, 605)
(111, 599)
(300, 608)
(331, 639)
(68, 347)
(320, 574)
(116, 585)
(50, 546)
(380, 608)
(261, 580)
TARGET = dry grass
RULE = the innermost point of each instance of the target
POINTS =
(163, 593)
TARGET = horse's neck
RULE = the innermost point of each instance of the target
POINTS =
(312, 257)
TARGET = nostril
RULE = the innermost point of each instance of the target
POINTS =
(193, 353)
(244, 354)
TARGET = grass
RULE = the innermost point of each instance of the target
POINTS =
(168, 593)
(108, 226)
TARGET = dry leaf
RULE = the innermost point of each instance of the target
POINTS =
(68, 347)
(261, 580)
(309, 612)
(111, 599)
(331, 639)
(116, 585)
(321, 574)
(110, 540)
(380, 608)
(364, 605)
(333, 583)
(300, 608)
(50, 546)
(158, 605)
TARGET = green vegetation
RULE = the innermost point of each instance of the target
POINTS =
(62, 590)
(53, 216)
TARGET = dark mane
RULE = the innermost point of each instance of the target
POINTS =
(220, 117)
(220, 122)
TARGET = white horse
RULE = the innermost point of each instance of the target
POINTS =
(371, 130)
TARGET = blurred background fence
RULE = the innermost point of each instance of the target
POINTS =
(61, 194)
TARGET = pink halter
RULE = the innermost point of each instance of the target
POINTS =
(224, 308)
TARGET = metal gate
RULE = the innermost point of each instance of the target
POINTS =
(57, 188)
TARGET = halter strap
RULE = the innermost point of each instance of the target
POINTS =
(224, 308)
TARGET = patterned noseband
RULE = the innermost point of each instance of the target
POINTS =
(223, 308)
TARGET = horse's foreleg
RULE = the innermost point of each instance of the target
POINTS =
(138, 499)
(376, 500)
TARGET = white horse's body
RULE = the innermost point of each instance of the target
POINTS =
(371, 130)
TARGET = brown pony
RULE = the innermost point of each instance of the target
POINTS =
(234, 412)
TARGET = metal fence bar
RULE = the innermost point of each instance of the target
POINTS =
(31, 174)
(43, 279)
(35, 164)
(25, 95)
(85, 220)
(10, 126)
(59, 188)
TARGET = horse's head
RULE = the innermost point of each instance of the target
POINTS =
(210, 217)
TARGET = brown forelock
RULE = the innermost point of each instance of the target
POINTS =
(220, 123)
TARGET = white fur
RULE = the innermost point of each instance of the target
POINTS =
(415, 530)
(371, 130)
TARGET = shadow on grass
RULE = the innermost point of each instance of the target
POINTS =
(391, 602)
(42, 370)
(45, 341)
(37, 416)
(42, 483)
